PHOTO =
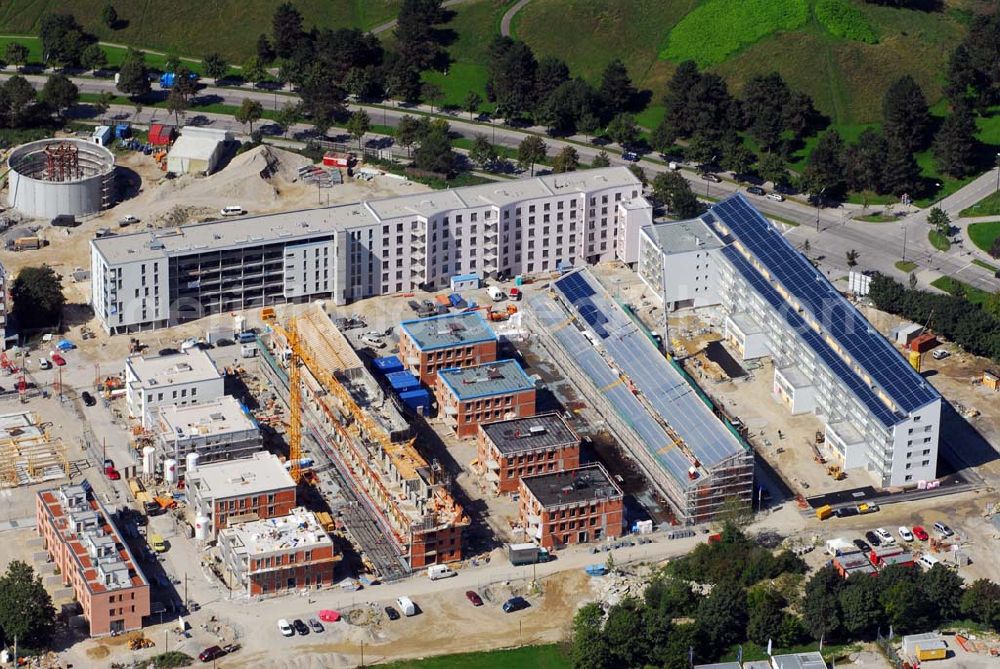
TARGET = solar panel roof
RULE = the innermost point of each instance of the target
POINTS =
(837, 317)
(662, 386)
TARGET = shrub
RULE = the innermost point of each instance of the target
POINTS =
(845, 21)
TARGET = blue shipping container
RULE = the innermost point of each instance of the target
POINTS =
(416, 400)
(454, 298)
(388, 364)
(401, 381)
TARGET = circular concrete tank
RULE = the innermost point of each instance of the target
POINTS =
(53, 177)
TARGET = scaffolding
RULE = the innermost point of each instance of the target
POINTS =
(62, 162)
(29, 454)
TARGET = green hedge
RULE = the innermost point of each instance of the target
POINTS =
(846, 21)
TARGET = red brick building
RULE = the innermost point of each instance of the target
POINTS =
(242, 490)
(571, 507)
(469, 396)
(442, 342)
(510, 449)
(93, 558)
(278, 555)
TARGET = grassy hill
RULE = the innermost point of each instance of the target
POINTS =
(194, 27)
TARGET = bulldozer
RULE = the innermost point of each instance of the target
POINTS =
(138, 641)
(835, 472)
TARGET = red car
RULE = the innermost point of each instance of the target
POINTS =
(58, 359)
(474, 597)
(920, 533)
(112, 473)
(211, 653)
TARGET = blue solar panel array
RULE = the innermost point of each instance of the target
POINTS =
(837, 317)
(661, 385)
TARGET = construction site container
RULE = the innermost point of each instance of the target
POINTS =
(336, 159)
(403, 381)
(932, 650)
(824, 512)
(418, 400)
(461, 282)
(325, 521)
(455, 299)
(388, 364)
(442, 300)
(161, 135)
(122, 130)
(991, 379)
(924, 342)
(102, 135)
(27, 243)
(521, 554)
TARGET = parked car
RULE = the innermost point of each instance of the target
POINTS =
(474, 597)
(862, 545)
(777, 197)
(709, 176)
(44, 363)
(756, 190)
(943, 530)
(904, 533)
(865, 507)
(88, 399)
(112, 473)
(406, 605)
(515, 604)
(57, 359)
(884, 535)
(300, 627)
(211, 653)
(232, 210)
(316, 626)
(846, 511)
(873, 538)
(940, 354)
(169, 351)
(391, 613)
(920, 533)
(285, 628)
(126, 221)
(630, 156)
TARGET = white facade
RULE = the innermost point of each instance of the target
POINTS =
(866, 429)
(215, 430)
(182, 379)
(374, 248)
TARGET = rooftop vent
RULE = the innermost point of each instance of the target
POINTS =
(537, 429)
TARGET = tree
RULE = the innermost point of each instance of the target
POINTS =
(404, 83)
(286, 29)
(103, 102)
(674, 192)
(21, 98)
(63, 39)
(264, 49)
(722, 616)
(214, 66)
(938, 218)
(981, 602)
(736, 157)
(638, 173)
(901, 172)
(624, 634)
(865, 160)
(800, 114)
(907, 117)
(138, 110)
(109, 16)
(616, 90)
(860, 606)
(288, 116)
(766, 615)
(825, 166)
(765, 98)
(590, 650)
(250, 112)
(415, 37)
(512, 69)
(432, 93)
(171, 62)
(482, 152)
(912, 280)
(820, 605)
(185, 83)
(955, 143)
(550, 75)
(358, 124)
(943, 587)
(26, 611)
(365, 83)
(588, 123)
(177, 104)
(16, 54)
(703, 149)
(38, 298)
(678, 114)
(905, 605)
(623, 131)
(601, 160)
(771, 167)
(531, 150)
(567, 160)
(406, 132)
(852, 258)
(93, 57)
(254, 70)
(663, 137)
(133, 77)
(60, 93)
(472, 102)
(435, 153)
(322, 96)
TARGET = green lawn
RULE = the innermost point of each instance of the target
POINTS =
(988, 206)
(906, 266)
(985, 265)
(194, 27)
(984, 234)
(529, 657)
(877, 217)
(939, 241)
(952, 286)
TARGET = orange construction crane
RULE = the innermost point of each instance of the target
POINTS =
(294, 402)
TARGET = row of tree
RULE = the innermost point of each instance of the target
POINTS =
(26, 611)
(21, 106)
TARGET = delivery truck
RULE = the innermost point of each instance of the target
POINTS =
(521, 554)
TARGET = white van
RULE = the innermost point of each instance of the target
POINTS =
(495, 293)
(406, 605)
(232, 210)
(436, 571)
(927, 561)
(44, 363)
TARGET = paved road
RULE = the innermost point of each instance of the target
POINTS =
(509, 16)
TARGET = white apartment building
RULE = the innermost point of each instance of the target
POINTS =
(179, 379)
(216, 430)
(157, 278)
(881, 416)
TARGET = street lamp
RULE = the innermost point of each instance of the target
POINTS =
(819, 198)
(998, 171)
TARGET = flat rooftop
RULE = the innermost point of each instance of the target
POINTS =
(535, 433)
(311, 223)
(449, 330)
(810, 660)
(795, 376)
(573, 486)
(189, 366)
(273, 535)
(262, 473)
(195, 147)
(502, 377)
(683, 236)
(206, 419)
